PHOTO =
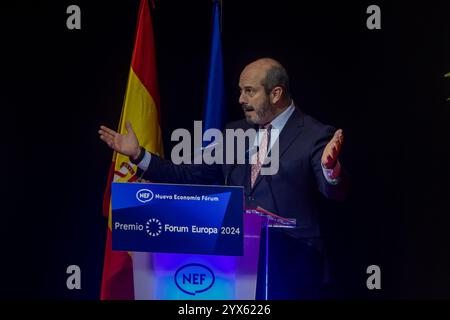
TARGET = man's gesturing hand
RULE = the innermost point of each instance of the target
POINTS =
(126, 144)
(333, 148)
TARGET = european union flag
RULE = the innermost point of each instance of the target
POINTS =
(214, 109)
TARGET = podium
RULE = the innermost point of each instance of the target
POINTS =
(160, 224)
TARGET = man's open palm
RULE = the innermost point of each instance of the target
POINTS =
(333, 148)
(126, 144)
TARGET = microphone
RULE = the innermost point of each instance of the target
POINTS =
(234, 165)
(198, 153)
(227, 177)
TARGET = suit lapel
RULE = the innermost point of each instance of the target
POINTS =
(291, 130)
(244, 169)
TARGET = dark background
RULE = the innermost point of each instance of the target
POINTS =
(385, 88)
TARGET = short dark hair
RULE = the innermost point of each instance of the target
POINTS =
(277, 76)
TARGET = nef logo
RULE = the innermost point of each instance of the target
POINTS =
(194, 278)
(144, 195)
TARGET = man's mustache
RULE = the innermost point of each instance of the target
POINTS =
(246, 107)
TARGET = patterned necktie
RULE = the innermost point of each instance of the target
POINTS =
(259, 157)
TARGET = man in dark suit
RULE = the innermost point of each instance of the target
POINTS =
(308, 163)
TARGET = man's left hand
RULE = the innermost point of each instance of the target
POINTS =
(333, 148)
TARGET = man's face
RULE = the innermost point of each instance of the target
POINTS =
(253, 99)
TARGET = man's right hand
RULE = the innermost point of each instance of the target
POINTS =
(126, 144)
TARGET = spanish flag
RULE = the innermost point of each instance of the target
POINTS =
(141, 108)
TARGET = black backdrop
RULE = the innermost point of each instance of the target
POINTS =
(385, 88)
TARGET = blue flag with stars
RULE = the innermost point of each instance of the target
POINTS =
(214, 109)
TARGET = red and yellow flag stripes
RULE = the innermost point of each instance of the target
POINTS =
(141, 108)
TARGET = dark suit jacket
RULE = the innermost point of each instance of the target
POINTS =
(293, 192)
(297, 264)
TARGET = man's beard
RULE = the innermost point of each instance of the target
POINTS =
(261, 114)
